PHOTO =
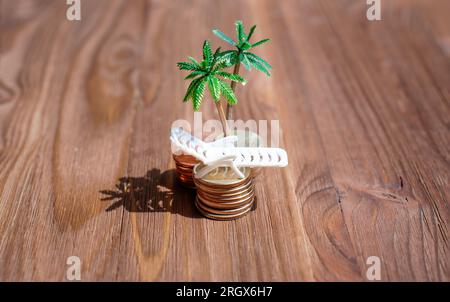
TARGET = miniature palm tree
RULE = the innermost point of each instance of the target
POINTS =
(210, 72)
(242, 55)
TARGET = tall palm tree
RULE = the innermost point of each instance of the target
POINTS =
(210, 72)
(242, 55)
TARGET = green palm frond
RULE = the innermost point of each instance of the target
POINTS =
(221, 65)
(240, 33)
(224, 37)
(250, 33)
(216, 54)
(228, 93)
(228, 57)
(210, 71)
(190, 89)
(198, 93)
(207, 53)
(258, 65)
(232, 77)
(186, 66)
(245, 45)
(244, 60)
(260, 42)
(259, 59)
(241, 54)
(194, 61)
(195, 74)
(214, 88)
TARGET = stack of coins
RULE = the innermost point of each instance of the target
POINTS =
(221, 195)
(184, 166)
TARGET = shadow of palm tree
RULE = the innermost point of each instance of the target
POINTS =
(154, 192)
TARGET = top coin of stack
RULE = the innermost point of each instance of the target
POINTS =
(184, 166)
(222, 195)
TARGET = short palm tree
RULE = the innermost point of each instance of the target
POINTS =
(210, 72)
(241, 54)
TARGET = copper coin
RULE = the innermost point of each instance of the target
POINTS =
(215, 211)
(185, 179)
(219, 187)
(185, 160)
(222, 217)
(226, 205)
(215, 203)
(187, 183)
(223, 189)
(184, 169)
(226, 199)
(184, 175)
(238, 194)
(234, 211)
(226, 193)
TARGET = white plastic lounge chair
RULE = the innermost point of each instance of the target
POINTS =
(223, 153)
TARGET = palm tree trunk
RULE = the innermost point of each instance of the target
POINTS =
(222, 117)
(233, 87)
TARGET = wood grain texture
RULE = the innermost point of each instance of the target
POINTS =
(86, 169)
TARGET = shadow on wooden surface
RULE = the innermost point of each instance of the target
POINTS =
(153, 192)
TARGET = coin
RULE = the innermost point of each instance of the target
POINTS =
(184, 169)
(222, 216)
(231, 211)
(222, 195)
(222, 198)
(224, 177)
(226, 205)
(224, 191)
(184, 165)
(185, 159)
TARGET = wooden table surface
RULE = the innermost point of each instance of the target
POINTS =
(365, 117)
